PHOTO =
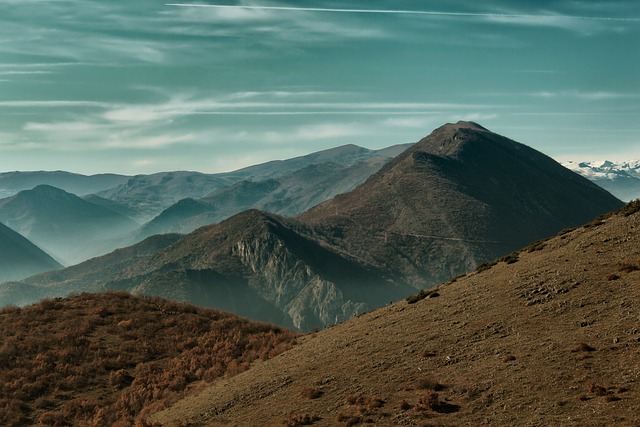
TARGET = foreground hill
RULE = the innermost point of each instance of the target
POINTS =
(457, 198)
(19, 258)
(102, 360)
(64, 225)
(550, 338)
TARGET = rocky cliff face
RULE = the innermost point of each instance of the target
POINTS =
(282, 278)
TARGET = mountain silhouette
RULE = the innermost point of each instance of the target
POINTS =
(19, 258)
(64, 225)
(457, 198)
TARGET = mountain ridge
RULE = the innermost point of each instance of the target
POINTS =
(63, 224)
(20, 258)
(432, 213)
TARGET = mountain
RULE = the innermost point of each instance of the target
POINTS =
(64, 225)
(12, 183)
(151, 194)
(289, 194)
(287, 187)
(91, 275)
(621, 179)
(457, 198)
(20, 258)
(106, 359)
(254, 264)
(550, 339)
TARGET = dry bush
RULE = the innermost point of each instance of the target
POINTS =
(365, 405)
(583, 347)
(628, 267)
(301, 420)
(432, 293)
(430, 401)
(137, 354)
(598, 390)
(429, 384)
(312, 392)
(630, 208)
(349, 419)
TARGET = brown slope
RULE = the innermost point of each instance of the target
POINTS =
(459, 197)
(552, 339)
(102, 360)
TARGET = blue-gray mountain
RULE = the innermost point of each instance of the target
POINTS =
(287, 187)
(12, 183)
(19, 258)
(458, 198)
(65, 226)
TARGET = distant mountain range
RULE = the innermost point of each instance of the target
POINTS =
(67, 227)
(458, 198)
(621, 179)
(19, 258)
(287, 187)
(12, 183)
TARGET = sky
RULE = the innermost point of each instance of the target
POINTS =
(142, 86)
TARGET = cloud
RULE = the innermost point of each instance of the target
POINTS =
(513, 18)
(586, 96)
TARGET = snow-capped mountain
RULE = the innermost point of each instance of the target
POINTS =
(621, 179)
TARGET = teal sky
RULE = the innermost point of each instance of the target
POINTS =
(140, 86)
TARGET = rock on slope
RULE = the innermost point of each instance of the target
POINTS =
(551, 339)
(457, 198)
(20, 258)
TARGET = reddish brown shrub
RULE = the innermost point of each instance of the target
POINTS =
(137, 354)
(312, 392)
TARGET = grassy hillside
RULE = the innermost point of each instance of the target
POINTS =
(104, 360)
(548, 336)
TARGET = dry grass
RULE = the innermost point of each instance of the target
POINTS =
(507, 343)
(97, 360)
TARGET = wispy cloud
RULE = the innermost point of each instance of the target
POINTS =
(586, 96)
(243, 9)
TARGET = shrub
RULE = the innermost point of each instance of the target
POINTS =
(430, 401)
(583, 347)
(598, 390)
(628, 267)
(312, 392)
(432, 293)
(630, 208)
(301, 420)
(429, 384)
(511, 258)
